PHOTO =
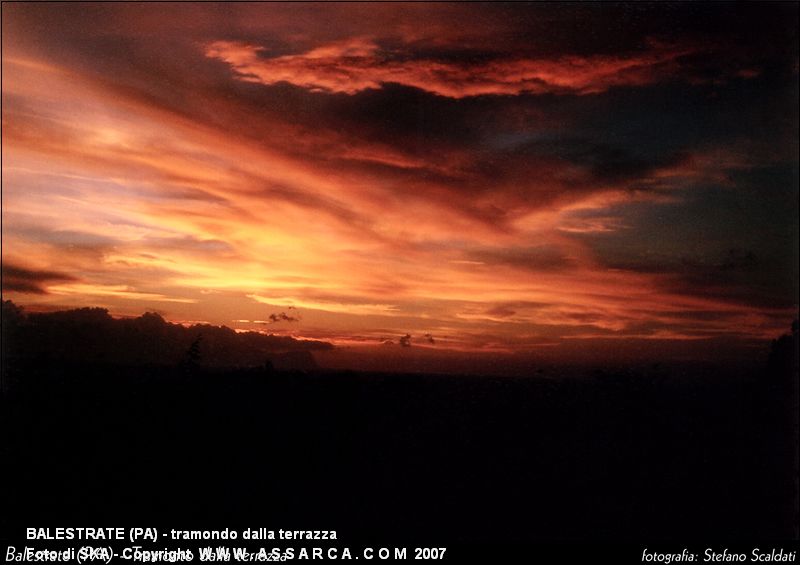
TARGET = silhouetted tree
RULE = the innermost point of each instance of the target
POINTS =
(192, 357)
(13, 315)
(783, 356)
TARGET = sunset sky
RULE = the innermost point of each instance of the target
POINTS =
(480, 177)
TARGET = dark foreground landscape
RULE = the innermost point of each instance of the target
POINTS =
(688, 452)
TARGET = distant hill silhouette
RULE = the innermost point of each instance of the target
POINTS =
(92, 335)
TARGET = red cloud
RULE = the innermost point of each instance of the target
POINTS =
(358, 64)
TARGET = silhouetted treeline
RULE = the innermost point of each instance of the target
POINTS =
(91, 335)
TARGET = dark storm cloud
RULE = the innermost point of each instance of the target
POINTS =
(735, 275)
(33, 281)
